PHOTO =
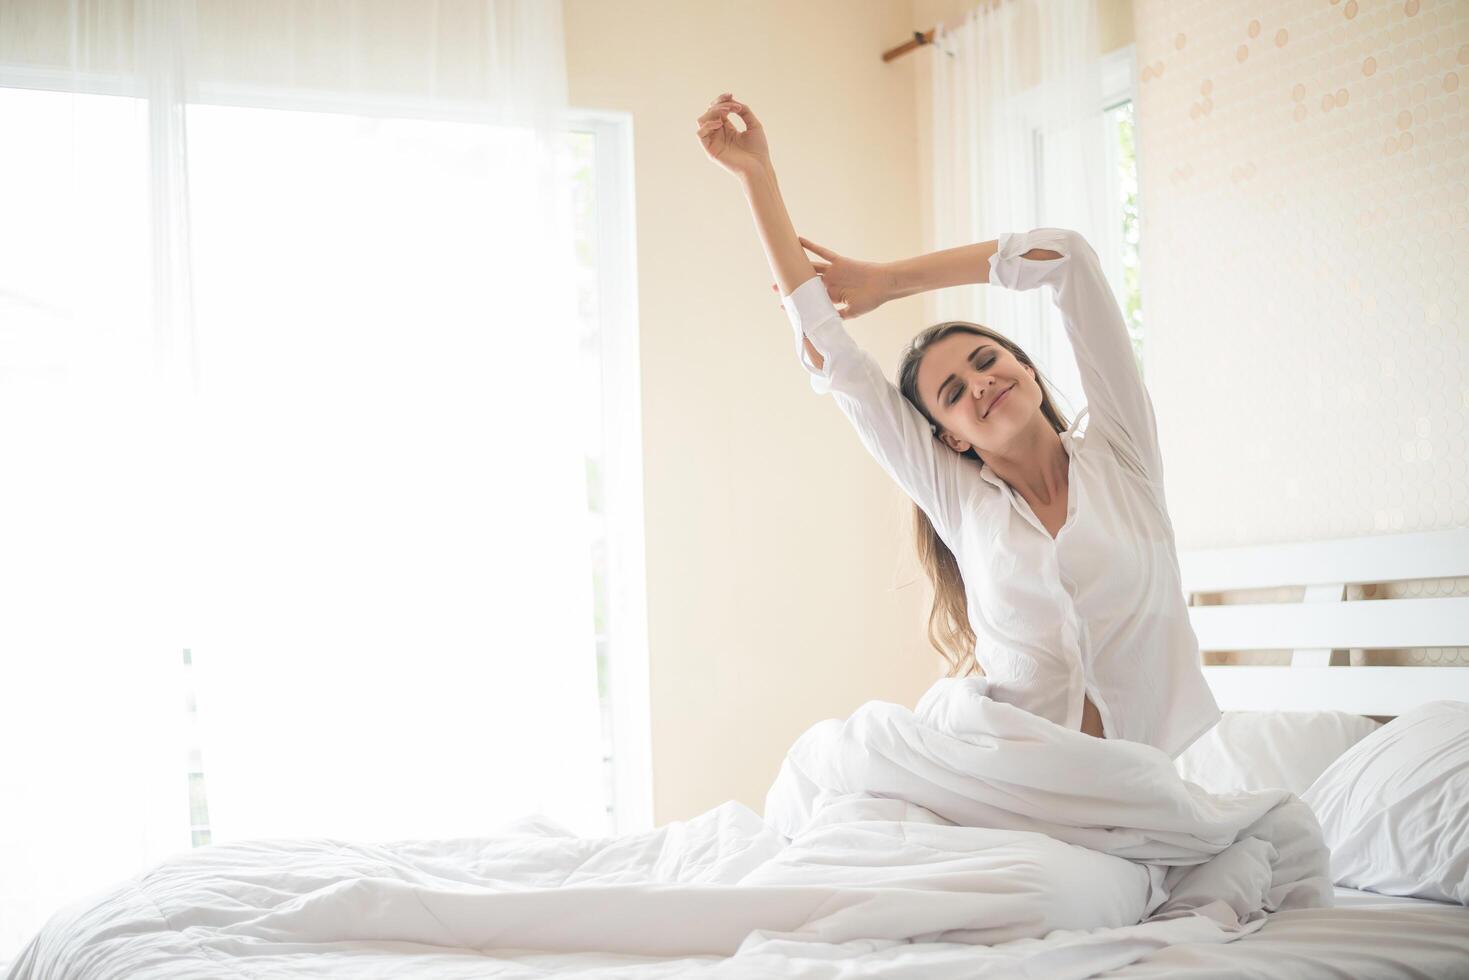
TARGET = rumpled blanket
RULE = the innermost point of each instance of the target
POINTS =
(965, 838)
(977, 769)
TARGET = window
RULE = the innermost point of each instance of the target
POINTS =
(244, 227)
(1056, 149)
(242, 190)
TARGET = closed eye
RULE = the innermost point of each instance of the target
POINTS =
(959, 389)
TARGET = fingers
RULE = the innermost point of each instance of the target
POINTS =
(718, 112)
(746, 114)
(825, 253)
(714, 112)
(721, 107)
(734, 105)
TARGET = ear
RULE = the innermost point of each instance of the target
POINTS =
(954, 442)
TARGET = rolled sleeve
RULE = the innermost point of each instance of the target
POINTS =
(1114, 389)
(1009, 269)
(813, 316)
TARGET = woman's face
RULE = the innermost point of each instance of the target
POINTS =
(962, 379)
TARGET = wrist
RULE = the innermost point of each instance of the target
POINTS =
(756, 175)
(898, 279)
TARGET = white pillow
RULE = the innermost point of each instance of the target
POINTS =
(1270, 749)
(1395, 808)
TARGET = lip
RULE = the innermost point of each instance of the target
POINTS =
(996, 401)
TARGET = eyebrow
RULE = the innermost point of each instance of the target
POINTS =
(972, 354)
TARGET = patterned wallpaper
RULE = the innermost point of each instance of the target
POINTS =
(1305, 210)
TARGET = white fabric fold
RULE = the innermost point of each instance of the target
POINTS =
(975, 762)
(887, 838)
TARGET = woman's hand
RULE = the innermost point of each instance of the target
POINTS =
(740, 153)
(855, 287)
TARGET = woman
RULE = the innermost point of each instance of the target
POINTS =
(1051, 555)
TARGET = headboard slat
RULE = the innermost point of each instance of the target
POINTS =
(1378, 624)
(1360, 690)
(1378, 558)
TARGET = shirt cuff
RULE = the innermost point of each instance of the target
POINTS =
(808, 304)
(809, 307)
(1000, 266)
(1010, 270)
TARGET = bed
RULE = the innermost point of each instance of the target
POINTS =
(1366, 934)
(312, 908)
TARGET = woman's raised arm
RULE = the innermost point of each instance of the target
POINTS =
(893, 430)
(746, 155)
(859, 287)
(1115, 393)
(1057, 257)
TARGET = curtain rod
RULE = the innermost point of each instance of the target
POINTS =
(920, 38)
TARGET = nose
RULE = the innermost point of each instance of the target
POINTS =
(979, 385)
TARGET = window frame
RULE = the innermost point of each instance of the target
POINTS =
(622, 477)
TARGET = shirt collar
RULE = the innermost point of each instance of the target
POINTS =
(1077, 421)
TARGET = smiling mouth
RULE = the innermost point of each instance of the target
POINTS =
(996, 401)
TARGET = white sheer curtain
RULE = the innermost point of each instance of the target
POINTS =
(1019, 142)
(291, 381)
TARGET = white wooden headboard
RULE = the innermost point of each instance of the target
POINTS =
(1324, 621)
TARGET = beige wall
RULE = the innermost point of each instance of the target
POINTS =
(1305, 257)
(781, 584)
(782, 587)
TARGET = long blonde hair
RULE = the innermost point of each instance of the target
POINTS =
(949, 629)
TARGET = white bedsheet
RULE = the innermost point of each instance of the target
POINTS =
(1365, 937)
(968, 838)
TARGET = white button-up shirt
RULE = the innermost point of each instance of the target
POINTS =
(1097, 611)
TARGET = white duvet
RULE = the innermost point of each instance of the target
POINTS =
(966, 838)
